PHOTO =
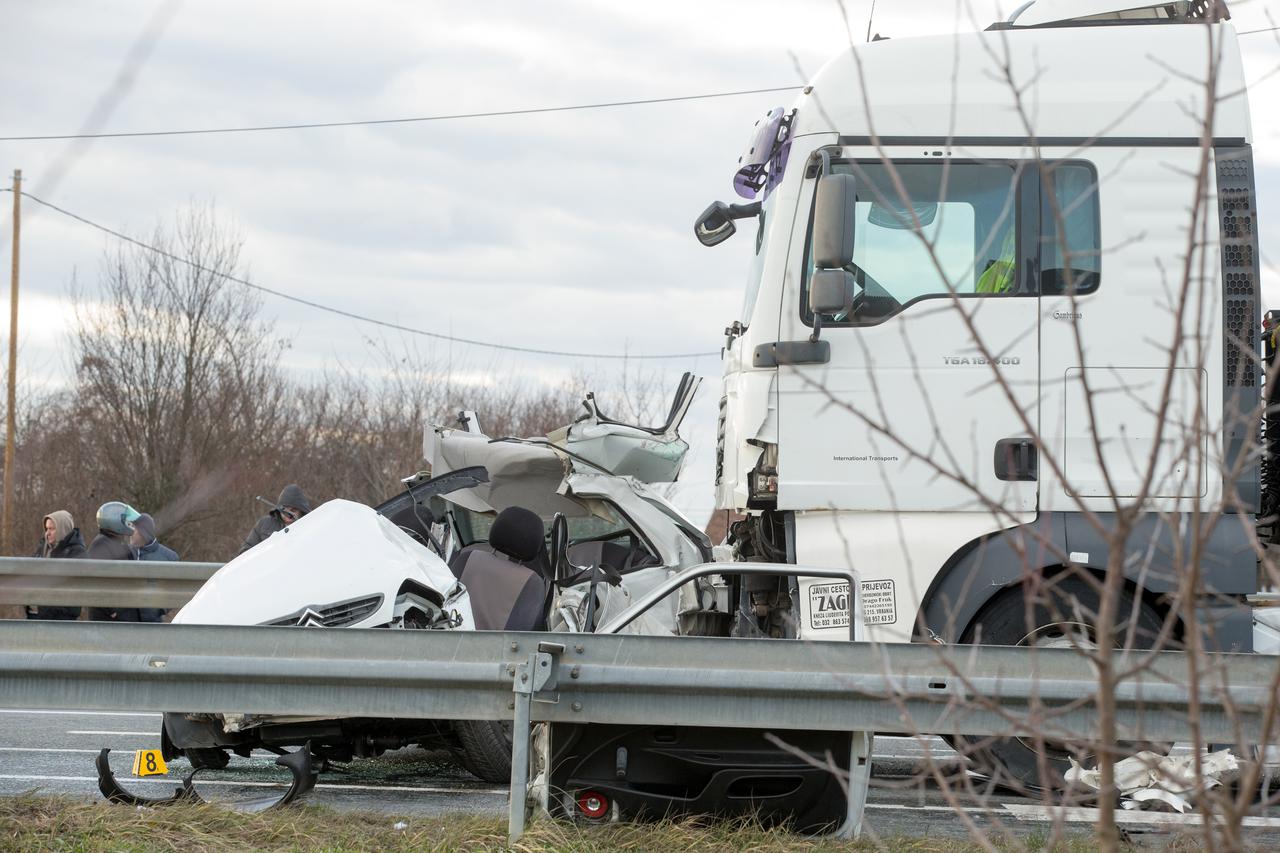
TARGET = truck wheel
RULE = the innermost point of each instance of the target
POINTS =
(1064, 620)
(486, 748)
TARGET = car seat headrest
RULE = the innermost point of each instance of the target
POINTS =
(517, 532)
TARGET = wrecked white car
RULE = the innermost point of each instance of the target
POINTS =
(593, 483)
(566, 532)
(560, 532)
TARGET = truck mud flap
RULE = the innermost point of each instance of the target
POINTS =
(300, 765)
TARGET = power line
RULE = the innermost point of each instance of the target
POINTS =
(442, 117)
(350, 314)
(369, 122)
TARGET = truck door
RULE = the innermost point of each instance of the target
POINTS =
(1107, 416)
(928, 399)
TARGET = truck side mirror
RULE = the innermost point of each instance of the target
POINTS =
(833, 212)
(831, 292)
(715, 225)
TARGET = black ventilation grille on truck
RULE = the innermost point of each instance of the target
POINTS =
(1241, 319)
(1238, 220)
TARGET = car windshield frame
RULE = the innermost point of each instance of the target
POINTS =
(465, 532)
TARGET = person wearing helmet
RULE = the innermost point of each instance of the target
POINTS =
(115, 527)
(292, 505)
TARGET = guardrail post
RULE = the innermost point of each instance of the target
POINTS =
(531, 677)
(859, 782)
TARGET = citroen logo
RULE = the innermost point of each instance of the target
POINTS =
(309, 618)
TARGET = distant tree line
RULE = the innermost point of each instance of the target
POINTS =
(180, 407)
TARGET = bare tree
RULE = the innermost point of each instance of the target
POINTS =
(177, 390)
(358, 432)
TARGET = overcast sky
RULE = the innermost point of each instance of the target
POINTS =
(567, 231)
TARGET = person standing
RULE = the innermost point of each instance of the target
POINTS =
(61, 540)
(115, 527)
(147, 547)
(290, 506)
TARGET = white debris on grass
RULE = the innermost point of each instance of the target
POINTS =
(400, 825)
(1153, 781)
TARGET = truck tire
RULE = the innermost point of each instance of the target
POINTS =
(486, 748)
(1004, 622)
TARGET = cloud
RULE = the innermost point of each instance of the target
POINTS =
(561, 231)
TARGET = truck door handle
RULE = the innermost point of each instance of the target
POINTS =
(1016, 459)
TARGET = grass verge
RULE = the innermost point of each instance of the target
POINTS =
(41, 822)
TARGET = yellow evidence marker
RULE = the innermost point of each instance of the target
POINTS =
(149, 762)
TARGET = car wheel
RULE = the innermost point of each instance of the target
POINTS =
(486, 748)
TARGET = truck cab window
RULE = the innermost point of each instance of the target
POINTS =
(928, 229)
(1070, 243)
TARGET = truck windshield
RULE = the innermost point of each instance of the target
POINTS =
(926, 229)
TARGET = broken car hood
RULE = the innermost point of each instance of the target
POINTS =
(341, 552)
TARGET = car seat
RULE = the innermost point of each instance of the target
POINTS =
(508, 579)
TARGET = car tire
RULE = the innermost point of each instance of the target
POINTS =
(1013, 762)
(486, 748)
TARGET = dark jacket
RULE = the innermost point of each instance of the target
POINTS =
(268, 524)
(107, 546)
(154, 551)
(72, 545)
(291, 495)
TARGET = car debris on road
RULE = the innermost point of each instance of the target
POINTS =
(1149, 780)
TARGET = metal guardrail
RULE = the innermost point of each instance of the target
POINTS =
(619, 679)
(622, 680)
(100, 583)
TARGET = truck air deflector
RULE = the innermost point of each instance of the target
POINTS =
(1044, 14)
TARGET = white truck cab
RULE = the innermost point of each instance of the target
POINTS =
(996, 274)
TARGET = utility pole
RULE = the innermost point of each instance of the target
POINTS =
(11, 418)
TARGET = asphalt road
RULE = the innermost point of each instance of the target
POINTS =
(53, 752)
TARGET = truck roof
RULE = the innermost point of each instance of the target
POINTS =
(1139, 81)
